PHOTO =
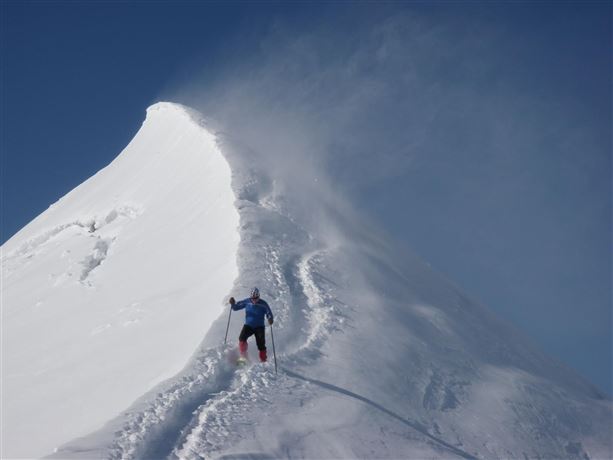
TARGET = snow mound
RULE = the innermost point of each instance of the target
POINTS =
(109, 291)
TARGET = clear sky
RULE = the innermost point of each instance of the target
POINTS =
(478, 134)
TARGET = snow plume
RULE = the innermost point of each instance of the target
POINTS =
(433, 128)
(343, 117)
(306, 108)
(319, 125)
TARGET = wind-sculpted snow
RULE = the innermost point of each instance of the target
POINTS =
(378, 356)
(109, 291)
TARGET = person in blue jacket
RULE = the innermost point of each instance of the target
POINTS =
(255, 310)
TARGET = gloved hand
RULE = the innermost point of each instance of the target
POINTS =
(232, 301)
(270, 321)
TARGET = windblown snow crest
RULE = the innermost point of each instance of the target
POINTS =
(378, 356)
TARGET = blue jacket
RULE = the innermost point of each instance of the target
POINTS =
(254, 312)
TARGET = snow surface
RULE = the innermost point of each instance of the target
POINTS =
(109, 291)
(379, 356)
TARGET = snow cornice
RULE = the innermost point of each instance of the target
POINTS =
(164, 107)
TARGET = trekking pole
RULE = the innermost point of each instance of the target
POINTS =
(274, 354)
(227, 327)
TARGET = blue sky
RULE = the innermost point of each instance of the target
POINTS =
(478, 134)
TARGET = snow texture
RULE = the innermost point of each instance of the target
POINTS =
(378, 355)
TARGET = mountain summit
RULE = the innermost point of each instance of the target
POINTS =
(114, 315)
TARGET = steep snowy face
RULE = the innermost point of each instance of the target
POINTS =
(111, 289)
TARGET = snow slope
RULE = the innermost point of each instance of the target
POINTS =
(109, 291)
(379, 356)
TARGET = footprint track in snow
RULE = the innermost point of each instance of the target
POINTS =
(191, 415)
(211, 428)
